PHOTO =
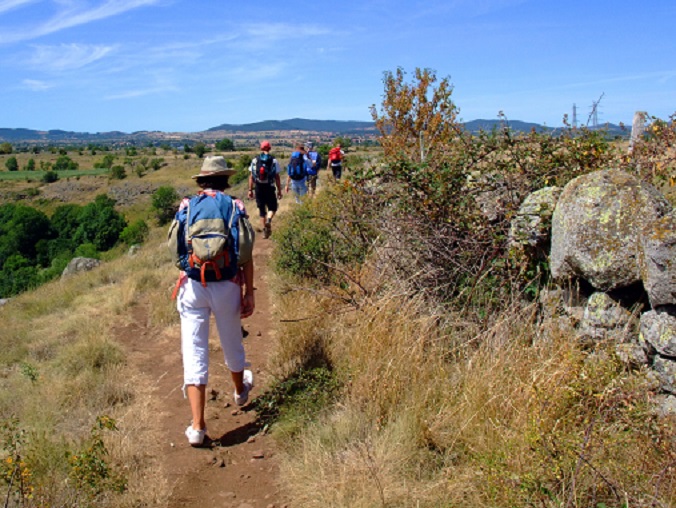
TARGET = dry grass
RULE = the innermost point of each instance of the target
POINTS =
(62, 368)
(514, 416)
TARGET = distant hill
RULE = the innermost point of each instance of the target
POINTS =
(335, 127)
(300, 124)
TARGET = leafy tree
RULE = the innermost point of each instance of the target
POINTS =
(6, 148)
(30, 165)
(18, 275)
(50, 176)
(21, 228)
(106, 162)
(64, 163)
(164, 203)
(135, 233)
(100, 224)
(416, 119)
(343, 141)
(65, 222)
(87, 250)
(225, 145)
(156, 163)
(11, 164)
(118, 173)
(131, 151)
(200, 149)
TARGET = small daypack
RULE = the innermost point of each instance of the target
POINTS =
(296, 168)
(316, 160)
(263, 171)
(210, 238)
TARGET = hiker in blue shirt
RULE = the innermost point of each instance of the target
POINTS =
(297, 171)
(314, 160)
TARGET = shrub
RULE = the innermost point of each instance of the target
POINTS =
(164, 203)
(49, 177)
(118, 173)
(135, 233)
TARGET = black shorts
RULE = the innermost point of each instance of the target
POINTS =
(266, 198)
(337, 170)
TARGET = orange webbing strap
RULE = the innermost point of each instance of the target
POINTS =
(212, 264)
(181, 277)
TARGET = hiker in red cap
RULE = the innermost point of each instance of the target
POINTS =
(263, 178)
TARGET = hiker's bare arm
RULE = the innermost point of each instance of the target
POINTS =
(278, 183)
(251, 184)
(248, 300)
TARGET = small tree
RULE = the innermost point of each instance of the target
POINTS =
(225, 145)
(200, 149)
(30, 165)
(118, 173)
(164, 203)
(11, 164)
(64, 163)
(6, 148)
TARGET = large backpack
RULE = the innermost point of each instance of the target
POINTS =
(335, 155)
(316, 160)
(296, 168)
(210, 238)
(263, 171)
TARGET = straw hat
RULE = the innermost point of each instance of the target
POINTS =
(215, 165)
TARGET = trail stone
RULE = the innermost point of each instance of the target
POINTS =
(532, 224)
(604, 318)
(658, 330)
(658, 261)
(666, 372)
(78, 265)
(597, 226)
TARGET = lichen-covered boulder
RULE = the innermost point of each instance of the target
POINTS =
(77, 265)
(658, 261)
(604, 318)
(597, 228)
(531, 226)
(666, 372)
(658, 331)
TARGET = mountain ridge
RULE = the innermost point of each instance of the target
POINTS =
(337, 127)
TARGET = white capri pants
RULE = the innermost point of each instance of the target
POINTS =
(195, 304)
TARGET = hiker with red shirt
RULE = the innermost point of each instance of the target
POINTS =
(263, 178)
(336, 156)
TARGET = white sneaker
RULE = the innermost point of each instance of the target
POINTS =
(195, 437)
(243, 398)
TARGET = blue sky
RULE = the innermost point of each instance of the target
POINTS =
(186, 66)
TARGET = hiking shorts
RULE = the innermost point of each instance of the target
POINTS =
(195, 305)
(337, 170)
(266, 199)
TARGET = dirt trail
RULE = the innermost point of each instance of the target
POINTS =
(238, 468)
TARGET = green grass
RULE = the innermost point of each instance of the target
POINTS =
(37, 175)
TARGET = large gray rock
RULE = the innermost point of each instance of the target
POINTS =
(658, 261)
(597, 227)
(604, 319)
(658, 331)
(77, 265)
(666, 372)
(531, 226)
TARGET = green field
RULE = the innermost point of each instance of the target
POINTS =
(37, 175)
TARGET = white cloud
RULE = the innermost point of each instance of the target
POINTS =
(6, 5)
(131, 94)
(67, 56)
(70, 14)
(36, 85)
